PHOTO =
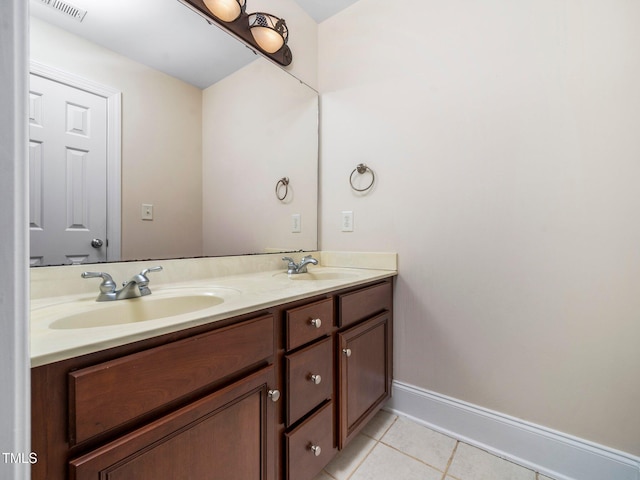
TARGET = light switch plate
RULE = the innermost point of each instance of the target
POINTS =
(147, 211)
(296, 223)
(347, 221)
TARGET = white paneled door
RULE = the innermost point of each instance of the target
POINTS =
(68, 174)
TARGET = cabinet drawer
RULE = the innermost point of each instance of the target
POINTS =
(228, 434)
(110, 394)
(309, 379)
(364, 303)
(303, 325)
(303, 461)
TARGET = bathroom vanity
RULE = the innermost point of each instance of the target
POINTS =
(272, 392)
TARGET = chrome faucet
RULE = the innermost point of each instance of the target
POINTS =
(138, 286)
(295, 268)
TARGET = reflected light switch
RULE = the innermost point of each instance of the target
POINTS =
(296, 223)
(147, 211)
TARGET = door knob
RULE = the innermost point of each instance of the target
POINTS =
(315, 449)
(96, 243)
(346, 351)
(315, 379)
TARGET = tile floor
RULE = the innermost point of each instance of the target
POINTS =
(395, 448)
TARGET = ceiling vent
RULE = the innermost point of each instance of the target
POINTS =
(66, 8)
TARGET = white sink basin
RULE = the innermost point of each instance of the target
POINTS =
(319, 276)
(165, 304)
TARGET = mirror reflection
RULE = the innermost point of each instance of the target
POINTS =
(189, 168)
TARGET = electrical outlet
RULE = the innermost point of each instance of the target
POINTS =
(147, 211)
(347, 221)
(296, 223)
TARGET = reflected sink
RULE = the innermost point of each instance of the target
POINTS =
(134, 310)
(319, 275)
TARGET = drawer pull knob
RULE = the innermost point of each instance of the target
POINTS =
(315, 379)
(274, 395)
(316, 450)
(316, 322)
(346, 351)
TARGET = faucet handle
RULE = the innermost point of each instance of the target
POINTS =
(152, 269)
(289, 259)
(107, 285)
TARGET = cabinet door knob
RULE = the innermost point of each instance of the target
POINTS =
(274, 395)
(316, 450)
(315, 379)
(346, 351)
(316, 322)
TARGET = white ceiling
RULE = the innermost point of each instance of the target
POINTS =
(166, 35)
(320, 10)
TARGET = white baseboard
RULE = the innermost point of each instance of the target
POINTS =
(549, 452)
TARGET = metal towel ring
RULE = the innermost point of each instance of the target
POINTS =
(361, 169)
(283, 182)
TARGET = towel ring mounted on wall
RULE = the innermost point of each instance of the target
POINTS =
(283, 182)
(362, 169)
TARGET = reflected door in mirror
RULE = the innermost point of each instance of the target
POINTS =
(68, 161)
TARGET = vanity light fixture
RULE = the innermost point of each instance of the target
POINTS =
(226, 10)
(259, 31)
(269, 31)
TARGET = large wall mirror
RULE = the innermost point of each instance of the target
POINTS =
(205, 129)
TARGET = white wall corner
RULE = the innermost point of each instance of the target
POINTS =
(14, 242)
(549, 452)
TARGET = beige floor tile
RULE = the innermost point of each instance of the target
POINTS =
(420, 442)
(470, 463)
(379, 424)
(348, 459)
(385, 463)
(323, 476)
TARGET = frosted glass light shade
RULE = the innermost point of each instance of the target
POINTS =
(225, 10)
(269, 40)
(269, 32)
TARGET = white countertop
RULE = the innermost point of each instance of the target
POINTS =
(242, 293)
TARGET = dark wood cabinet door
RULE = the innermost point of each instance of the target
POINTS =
(364, 373)
(228, 435)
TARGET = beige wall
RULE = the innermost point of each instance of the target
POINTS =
(504, 137)
(161, 143)
(259, 125)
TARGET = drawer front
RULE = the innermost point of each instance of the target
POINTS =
(362, 304)
(112, 393)
(309, 379)
(229, 432)
(305, 324)
(303, 461)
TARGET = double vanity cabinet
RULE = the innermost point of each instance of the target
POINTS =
(268, 395)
